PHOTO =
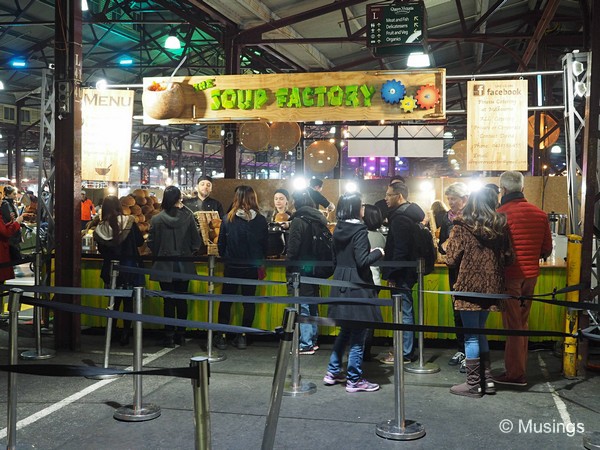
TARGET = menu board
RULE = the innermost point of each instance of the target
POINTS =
(106, 134)
(497, 125)
(395, 28)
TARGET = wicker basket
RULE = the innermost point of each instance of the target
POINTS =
(203, 219)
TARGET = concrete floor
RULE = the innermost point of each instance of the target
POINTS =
(77, 413)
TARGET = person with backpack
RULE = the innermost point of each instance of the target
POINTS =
(404, 228)
(353, 260)
(9, 213)
(301, 247)
(118, 238)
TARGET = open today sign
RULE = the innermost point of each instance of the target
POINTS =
(303, 97)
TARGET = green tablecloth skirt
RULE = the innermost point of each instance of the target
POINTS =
(438, 308)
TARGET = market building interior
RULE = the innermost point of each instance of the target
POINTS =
(58, 59)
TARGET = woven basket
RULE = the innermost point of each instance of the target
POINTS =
(203, 219)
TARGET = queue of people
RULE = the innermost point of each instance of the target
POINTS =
(479, 241)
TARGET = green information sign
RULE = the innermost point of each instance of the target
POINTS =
(397, 28)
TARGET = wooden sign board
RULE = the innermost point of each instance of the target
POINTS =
(106, 134)
(497, 125)
(302, 97)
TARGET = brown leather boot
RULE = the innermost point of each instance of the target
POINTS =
(472, 387)
(488, 384)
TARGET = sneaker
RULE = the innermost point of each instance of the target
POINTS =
(240, 342)
(503, 379)
(220, 342)
(361, 386)
(457, 359)
(315, 347)
(463, 366)
(331, 379)
(307, 351)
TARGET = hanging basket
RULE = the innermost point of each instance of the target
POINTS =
(255, 136)
(547, 122)
(285, 135)
(321, 156)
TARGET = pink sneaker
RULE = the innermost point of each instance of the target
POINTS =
(331, 379)
(361, 386)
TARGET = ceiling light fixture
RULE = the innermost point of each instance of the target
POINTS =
(125, 61)
(556, 149)
(578, 68)
(18, 63)
(1, 86)
(101, 84)
(172, 42)
(418, 59)
(84, 5)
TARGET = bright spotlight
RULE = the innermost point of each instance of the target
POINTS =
(299, 183)
(351, 186)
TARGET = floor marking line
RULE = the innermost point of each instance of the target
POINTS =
(78, 395)
(560, 405)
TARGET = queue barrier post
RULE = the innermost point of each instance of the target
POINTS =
(283, 357)
(202, 432)
(137, 412)
(114, 275)
(39, 352)
(296, 387)
(420, 367)
(399, 428)
(212, 354)
(14, 303)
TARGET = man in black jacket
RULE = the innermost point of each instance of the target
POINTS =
(300, 248)
(402, 216)
(204, 202)
(382, 204)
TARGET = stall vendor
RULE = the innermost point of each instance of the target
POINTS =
(204, 202)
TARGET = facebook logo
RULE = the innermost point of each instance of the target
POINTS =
(478, 89)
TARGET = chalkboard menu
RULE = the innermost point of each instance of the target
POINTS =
(397, 28)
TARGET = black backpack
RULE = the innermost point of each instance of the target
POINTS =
(422, 244)
(322, 248)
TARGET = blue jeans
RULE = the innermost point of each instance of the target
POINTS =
(309, 332)
(475, 344)
(356, 339)
(408, 317)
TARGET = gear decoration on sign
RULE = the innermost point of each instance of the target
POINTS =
(427, 96)
(408, 103)
(392, 91)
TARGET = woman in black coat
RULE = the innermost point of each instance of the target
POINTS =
(118, 238)
(242, 237)
(353, 258)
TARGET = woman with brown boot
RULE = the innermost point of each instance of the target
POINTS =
(479, 246)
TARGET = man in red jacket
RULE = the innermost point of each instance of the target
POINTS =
(531, 238)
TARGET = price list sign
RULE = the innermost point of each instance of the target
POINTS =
(391, 26)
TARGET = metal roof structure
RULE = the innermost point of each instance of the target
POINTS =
(280, 36)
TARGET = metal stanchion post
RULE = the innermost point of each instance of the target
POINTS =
(421, 367)
(296, 387)
(283, 358)
(13, 308)
(114, 274)
(201, 403)
(38, 352)
(137, 412)
(212, 355)
(399, 428)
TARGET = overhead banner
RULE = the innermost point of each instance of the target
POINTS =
(298, 97)
(106, 134)
(497, 125)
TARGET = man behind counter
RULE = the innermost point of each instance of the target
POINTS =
(204, 202)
